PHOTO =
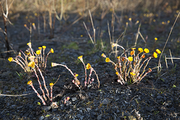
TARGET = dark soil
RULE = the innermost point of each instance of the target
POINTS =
(155, 97)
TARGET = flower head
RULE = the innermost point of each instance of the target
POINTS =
(132, 73)
(155, 38)
(133, 49)
(76, 75)
(38, 52)
(143, 56)
(103, 55)
(53, 64)
(29, 44)
(51, 51)
(31, 58)
(44, 47)
(130, 58)
(107, 59)
(51, 84)
(88, 66)
(146, 50)
(29, 82)
(117, 73)
(158, 51)
(80, 57)
(155, 55)
(140, 50)
(39, 48)
(10, 59)
(31, 64)
(118, 57)
(132, 52)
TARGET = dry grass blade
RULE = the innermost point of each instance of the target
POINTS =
(88, 33)
(159, 63)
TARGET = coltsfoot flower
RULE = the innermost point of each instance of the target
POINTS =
(44, 47)
(158, 51)
(51, 51)
(130, 58)
(38, 52)
(103, 55)
(53, 64)
(107, 59)
(146, 50)
(155, 38)
(29, 82)
(132, 52)
(29, 44)
(88, 66)
(155, 55)
(10, 59)
(133, 49)
(39, 48)
(51, 84)
(132, 73)
(31, 64)
(140, 50)
(80, 57)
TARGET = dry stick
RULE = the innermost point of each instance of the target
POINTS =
(171, 56)
(97, 77)
(159, 63)
(5, 27)
(15, 95)
(38, 94)
(94, 30)
(43, 81)
(88, 33)
(166, 62)
(40, 84)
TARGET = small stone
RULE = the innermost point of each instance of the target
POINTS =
(106, 101)
(74, 99)
(41, 118)
(99, 117)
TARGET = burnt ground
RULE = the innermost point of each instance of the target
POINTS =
(155, 97)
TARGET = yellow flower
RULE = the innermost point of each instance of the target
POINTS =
(10, 59)
(130, 19)
(117, 73)
(29, 82)
(146, 50)
(53, 64)
(31, 58)
(118, 57)
(33, 24)
(130, 58)
(155, 38)
(38, 52)
(103, 55)
(44, 47)
(132, 73)
(133, 49)
(51, 51)
(155, 55)
(158, 51)
(27, 52)
(76, 75)
(132, 52)
(80, 57)
(31, 64)
(39, 48)
(29, 44)
(88, 66)
(51, 84)
(140, 50)
(107, 59)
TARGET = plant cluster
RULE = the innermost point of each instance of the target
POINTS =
(35, 62)
(87, 79)
(131, 68)
(31, 58)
